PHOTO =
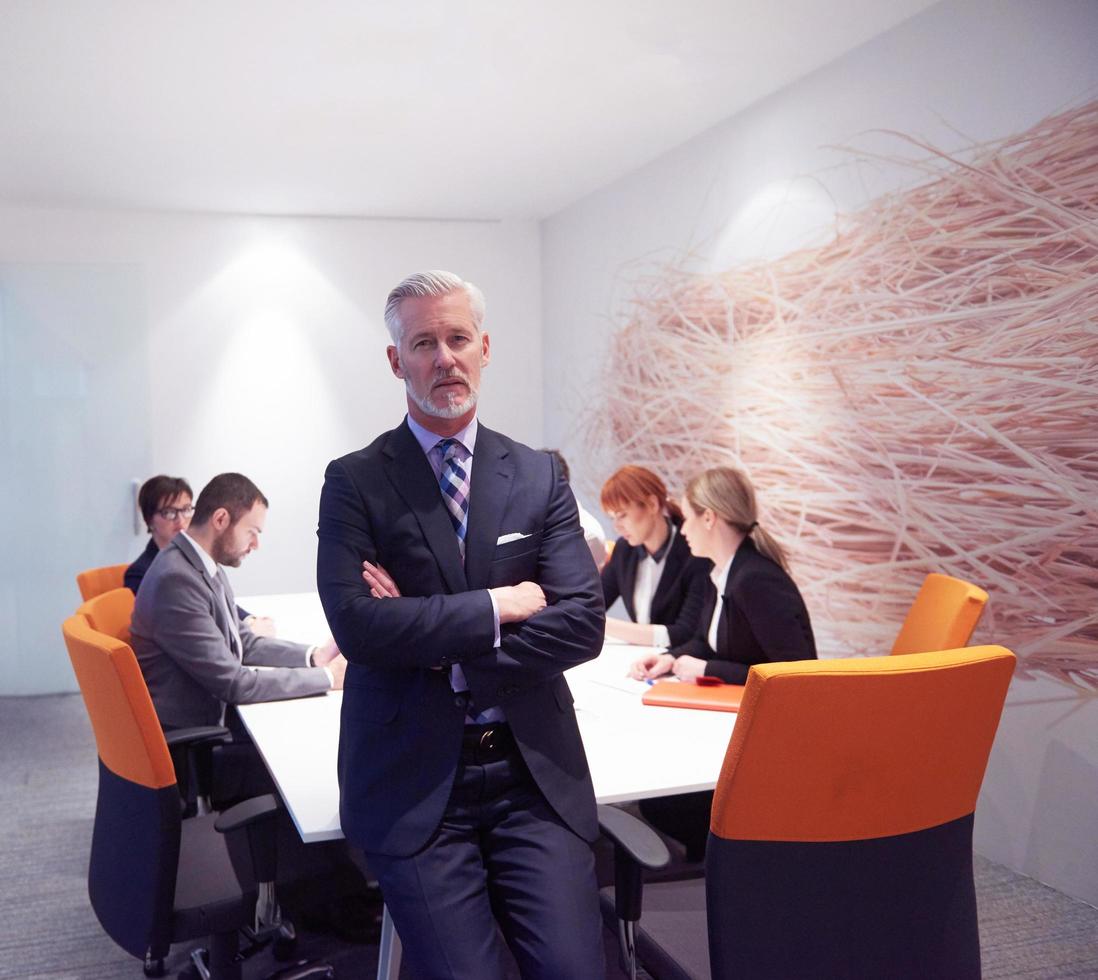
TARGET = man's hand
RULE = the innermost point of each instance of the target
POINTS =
(325, 653)
(338, 667)
(380, 582)
(689, 668)
(518, 602)
(652, 666)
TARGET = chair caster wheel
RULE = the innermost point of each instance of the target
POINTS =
(199, 966)
(153, 968)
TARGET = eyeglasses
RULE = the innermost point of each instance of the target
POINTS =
(171, 513)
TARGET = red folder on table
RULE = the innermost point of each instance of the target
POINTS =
(677, 694)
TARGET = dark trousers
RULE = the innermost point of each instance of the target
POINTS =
(501, 857)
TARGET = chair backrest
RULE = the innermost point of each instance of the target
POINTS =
(96, 581)
(136, 837)
(841, 839)
(110, 613)
(942, 617)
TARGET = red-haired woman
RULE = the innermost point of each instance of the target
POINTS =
(662, 585)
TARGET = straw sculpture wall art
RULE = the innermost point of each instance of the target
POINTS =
(919, 394)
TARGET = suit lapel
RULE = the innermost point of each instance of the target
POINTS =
(194, 560)
(493, 479)
(740, 559)
(629, 569)
(414, 480)
(672, 563)
(219, 607)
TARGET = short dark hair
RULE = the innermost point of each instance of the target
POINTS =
(158, 491)
(233, 491)
(561, 462)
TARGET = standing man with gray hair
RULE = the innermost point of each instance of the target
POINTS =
(455, 577)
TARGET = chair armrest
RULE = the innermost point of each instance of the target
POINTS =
(215, 734)
(192, 755)
(247, 812)
(636, 846)
(256, 818)
(639, 842)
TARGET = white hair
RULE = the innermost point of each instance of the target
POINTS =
(435, 282)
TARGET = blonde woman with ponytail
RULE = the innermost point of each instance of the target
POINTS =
(755, 614)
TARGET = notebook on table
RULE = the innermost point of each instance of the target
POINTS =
(711, 697)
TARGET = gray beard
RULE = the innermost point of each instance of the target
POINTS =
(453, 408)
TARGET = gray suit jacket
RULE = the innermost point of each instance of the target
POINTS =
(181, 634)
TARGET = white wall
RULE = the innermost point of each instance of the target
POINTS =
(982, 68)
(1040, 796)
(265, 354)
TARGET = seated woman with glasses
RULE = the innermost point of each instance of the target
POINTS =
(167, 504)
(662, 585)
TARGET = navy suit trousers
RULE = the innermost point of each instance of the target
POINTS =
(501, 855)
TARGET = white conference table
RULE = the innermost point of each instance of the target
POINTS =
(634, 750)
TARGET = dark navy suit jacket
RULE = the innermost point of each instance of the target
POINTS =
(764, 619)
(681, 592)
(402, 724)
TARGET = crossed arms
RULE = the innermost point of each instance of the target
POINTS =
(551, 616)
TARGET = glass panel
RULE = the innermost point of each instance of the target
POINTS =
(74, 434)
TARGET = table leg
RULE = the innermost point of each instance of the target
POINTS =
(389, 953)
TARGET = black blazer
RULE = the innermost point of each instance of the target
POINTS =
(401, 725)
(681, 592)
(136, 571)
(764, 620)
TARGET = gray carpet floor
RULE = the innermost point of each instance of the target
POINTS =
(48, 775)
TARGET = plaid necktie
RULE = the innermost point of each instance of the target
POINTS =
(454, 483)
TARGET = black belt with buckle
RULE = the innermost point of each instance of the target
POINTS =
(481, 744)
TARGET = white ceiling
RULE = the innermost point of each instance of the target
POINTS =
(420, 108)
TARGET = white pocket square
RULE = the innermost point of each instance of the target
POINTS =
(508, 538)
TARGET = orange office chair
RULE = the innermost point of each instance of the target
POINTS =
(192, 749)
(841, 835)
(110, 612)
(153, 878)
(96, 581)
(942, 617)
